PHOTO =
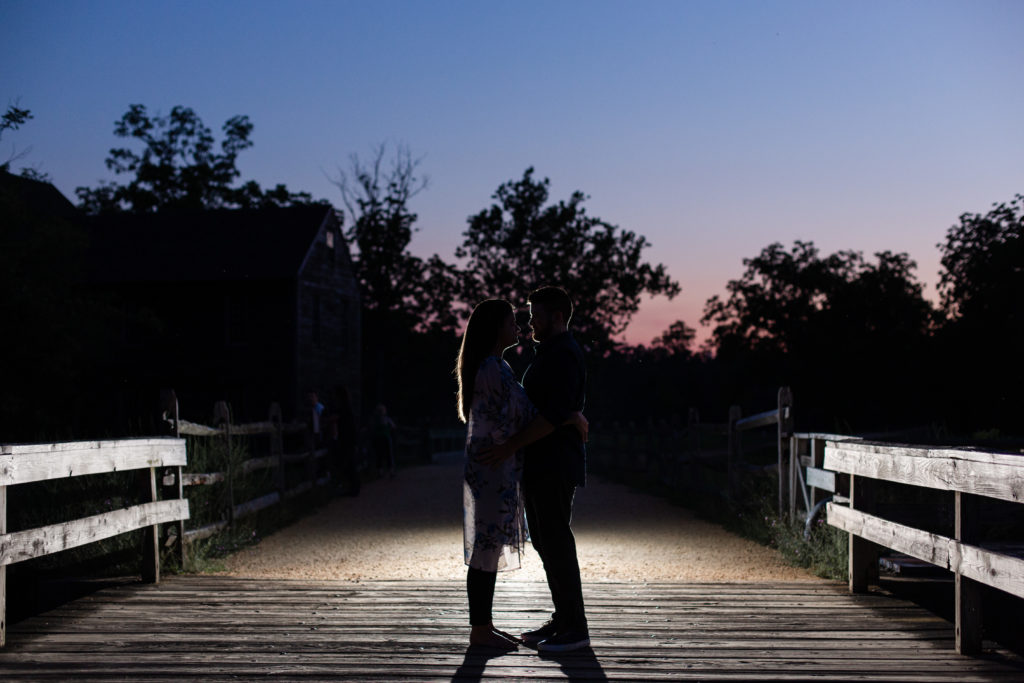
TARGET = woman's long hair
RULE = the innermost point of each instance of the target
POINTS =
(477, 343)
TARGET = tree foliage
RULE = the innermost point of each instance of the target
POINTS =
(393, 282)
(180, 167)
(846, 333)
(982, 286)
(982, 281)
(521, 243)
(792, 301)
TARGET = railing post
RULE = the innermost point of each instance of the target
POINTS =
(734, 451)
(794, 463)
(785, 428)
(863, 567)
(151, 540)
(170, 401)
(3, 569)
(968, 591)
(222, 419)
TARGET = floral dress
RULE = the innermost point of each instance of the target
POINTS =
(492, 501)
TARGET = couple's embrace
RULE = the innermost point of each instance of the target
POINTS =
(524, 452)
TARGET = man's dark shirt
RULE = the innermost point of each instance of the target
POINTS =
(555, 383)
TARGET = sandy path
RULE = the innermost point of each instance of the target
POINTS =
(410, 527)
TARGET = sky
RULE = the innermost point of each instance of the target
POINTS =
(711, 128)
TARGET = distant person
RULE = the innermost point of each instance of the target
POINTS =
(316, 411)
(554, 465)
(382, 438)
(495, 407)
(341, 432)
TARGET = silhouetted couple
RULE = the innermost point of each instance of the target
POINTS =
(524, 451)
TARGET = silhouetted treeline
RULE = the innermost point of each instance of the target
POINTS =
(854, 337)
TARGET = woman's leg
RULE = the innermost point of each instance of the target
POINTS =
(480, 588)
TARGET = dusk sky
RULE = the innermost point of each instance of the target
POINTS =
(712, 128)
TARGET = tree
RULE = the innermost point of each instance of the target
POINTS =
(982, 286)
(520, 244)
(676, 340)
(982, 280)
(179, 167)
(844, 332)
(13, 119)
(406, 301)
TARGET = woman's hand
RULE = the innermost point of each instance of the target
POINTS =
(579, 421)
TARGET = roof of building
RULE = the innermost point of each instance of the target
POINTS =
(40, 197)
(203, 246)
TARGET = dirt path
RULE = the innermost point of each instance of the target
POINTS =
(410, 528)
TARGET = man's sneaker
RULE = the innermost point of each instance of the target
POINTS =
(535, 636)
(565, 641)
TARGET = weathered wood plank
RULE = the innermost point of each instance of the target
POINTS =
(21, 464)
(254, 464)
(768, 417)
(24, 545)
(257, 504)
(994, 475)
(205, 531)
(1004, 572)
(821, 479)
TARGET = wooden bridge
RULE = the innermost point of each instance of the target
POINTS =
(221, 629)
(216, 628)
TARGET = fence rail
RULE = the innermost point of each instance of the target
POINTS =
(275, 429)
(971, 476)
(26, 463)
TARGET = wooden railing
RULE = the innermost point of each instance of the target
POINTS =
(223, 429)
(811, 486)
(972, 476)
(22, 464)
(782, 417)
(703, 458)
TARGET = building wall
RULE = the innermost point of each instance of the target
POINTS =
(328, 354)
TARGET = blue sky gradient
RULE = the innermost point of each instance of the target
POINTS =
(713, 128)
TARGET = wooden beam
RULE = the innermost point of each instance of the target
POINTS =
(3, 568)
(821, 479)
(24, 545)
(253, 464)
(768, 417)
(1005, 572)
(151, 540)
(205, 531)
(194, 478)
(256, 504)
(994, 475)
(967, 591)
(21, 464)
(863, 554)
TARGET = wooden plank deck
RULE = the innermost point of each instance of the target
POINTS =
(216, 628)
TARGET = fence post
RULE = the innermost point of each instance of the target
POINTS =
(785, 428)
(863, 559)
(3, 569)
(277, 447)
(222, 419)
(170, 403)
(968, 591)
(735, 451)
(151, 541)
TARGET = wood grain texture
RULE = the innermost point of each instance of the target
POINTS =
(21, 464)
(217, 628)
(999, 570)
(994, 475)
(24, 545)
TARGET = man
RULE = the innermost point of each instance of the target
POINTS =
(554, 465)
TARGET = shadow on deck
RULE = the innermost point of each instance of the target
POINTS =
(216, 628)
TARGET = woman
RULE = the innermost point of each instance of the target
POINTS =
(495, 407)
